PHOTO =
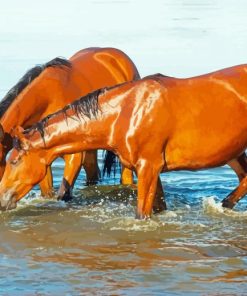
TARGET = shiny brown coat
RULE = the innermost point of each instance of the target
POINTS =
(155, 125)
(55, 87)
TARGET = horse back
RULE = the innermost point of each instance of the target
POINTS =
(209, 115)
(91, 69)
(111, 63)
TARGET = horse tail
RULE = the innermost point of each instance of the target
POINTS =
(110, 162)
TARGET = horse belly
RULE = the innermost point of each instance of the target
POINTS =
(193, 150)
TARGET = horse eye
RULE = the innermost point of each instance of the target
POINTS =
(14, 161)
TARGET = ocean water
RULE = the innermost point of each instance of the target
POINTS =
(93, 245)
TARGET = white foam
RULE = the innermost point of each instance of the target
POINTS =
(131, 224)
(170, 214)
(210, 206)
(35, 199)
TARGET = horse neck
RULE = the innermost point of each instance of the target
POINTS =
(67, 133)
(35, 101)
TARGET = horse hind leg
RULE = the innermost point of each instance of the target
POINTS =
(159, 203)
(239, 165)
(90, 165)
(126, 176)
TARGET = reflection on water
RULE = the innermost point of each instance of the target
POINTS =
(93, 245)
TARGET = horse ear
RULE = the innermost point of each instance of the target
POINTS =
(1, 133)
(19, 139)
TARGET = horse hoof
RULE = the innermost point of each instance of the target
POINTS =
(49, 195)
(160, 208)
(142, 216)
(65, 197)
(91, 182)
(227, 204)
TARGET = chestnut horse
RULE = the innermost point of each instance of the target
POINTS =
(154, 125)
(48, 88)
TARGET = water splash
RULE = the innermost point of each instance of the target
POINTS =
(212, 207)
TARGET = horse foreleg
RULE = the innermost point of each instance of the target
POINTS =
(239, 165)
(90, 165)
(46, 185)
(159, 203)
(71, 171)
(148, 175)
(127, 176)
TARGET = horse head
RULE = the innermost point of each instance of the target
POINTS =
(25, 167)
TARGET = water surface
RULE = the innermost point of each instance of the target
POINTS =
(93, 245)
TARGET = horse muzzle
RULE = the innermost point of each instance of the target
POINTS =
(7, 201)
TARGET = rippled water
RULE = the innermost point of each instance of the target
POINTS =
(93, 245)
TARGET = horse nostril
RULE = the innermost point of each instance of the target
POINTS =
(3, 205)
(12, 205)
(7, 203)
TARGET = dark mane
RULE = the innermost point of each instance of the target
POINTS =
(86, 106)
(27, 79)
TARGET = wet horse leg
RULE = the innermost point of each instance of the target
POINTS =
(71, 170)
(159, 203)
(239, 165)
(148, 175)
(231, 200)
(90, 165)
(46, 185)
(127, 176)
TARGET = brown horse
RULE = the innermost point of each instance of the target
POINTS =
(48, 88)
(154, 125)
